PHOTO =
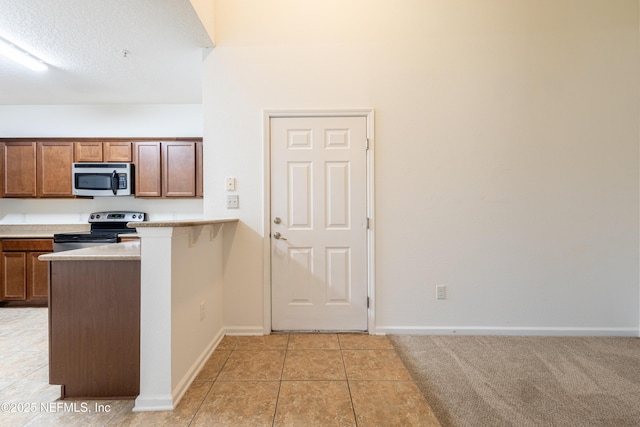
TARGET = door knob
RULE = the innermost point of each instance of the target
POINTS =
(277, 220)
(278, 236)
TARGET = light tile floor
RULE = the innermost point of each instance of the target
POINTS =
(274, 380)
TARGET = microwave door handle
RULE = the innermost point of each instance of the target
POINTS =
(114, 183)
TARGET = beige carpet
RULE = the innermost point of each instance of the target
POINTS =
(526, 381)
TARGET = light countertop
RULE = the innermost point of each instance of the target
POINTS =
(180, 223)
(38, 231)
(108, 252)
(125, 251)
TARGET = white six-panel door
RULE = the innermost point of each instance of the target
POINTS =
(318, 224)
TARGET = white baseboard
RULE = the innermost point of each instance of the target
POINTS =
(245, 330)
(153, 403)
(169, 402)
(516, 331)
(184, 384)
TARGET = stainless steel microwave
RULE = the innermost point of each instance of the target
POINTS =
(102, 179)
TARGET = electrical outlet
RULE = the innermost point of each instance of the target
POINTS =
(232, 202)
(441, 292)
(202, 310)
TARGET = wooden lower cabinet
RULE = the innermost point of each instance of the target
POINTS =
(25, 279)
(37, 277)
(94, 328)
(14, 276)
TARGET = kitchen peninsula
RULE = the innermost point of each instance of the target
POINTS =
(180, 301)
(94, 321)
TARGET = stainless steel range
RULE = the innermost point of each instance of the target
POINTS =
(105, 228)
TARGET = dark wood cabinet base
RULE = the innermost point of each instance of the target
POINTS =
(94, 328)
(24, 280)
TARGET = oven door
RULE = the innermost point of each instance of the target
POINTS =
(69, 241)
(102, 179)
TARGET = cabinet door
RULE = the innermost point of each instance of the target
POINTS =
(179, 169)
(147, 169)
(117, 151)
(19, 171)
(2, 147)
(54, 162)
(14, 276)
(199, 171)
(37, 277)
(88, 151)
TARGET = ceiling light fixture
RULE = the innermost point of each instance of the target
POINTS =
(22, 57)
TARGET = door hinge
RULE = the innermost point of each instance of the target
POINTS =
(366, 144)
(368, 223)
(368, 302)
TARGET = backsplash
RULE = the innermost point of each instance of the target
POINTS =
(66, 211)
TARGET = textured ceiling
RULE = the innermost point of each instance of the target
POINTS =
(82, 41)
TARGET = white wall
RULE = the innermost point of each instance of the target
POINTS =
(206, 10)
(195, 333)
(106, 120)
(181, 314)
(506, 152)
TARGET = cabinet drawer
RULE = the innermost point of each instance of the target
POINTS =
(9, 245)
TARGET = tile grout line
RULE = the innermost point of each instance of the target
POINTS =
(195, 414)
(275, 409)
(344, 366)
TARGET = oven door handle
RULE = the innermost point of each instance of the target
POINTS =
(114, 182)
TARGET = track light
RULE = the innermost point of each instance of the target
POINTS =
(22, 57)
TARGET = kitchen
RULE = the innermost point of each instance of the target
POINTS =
(154, 270)
(91, 117)
(507, 138)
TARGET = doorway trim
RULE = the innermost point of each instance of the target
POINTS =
(368, 113)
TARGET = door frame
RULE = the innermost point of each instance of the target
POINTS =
(266, 124)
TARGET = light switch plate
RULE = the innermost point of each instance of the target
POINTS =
(230, 184)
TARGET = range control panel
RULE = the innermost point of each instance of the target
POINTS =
(117, 216)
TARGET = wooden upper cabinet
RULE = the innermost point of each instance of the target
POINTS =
(179, 169)
(88, 151)
(117, 151)
(42, 168)
(146, 156)
(19, 169)
(53, 172)
(37, 169)
(99, 151)
(168, 169)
